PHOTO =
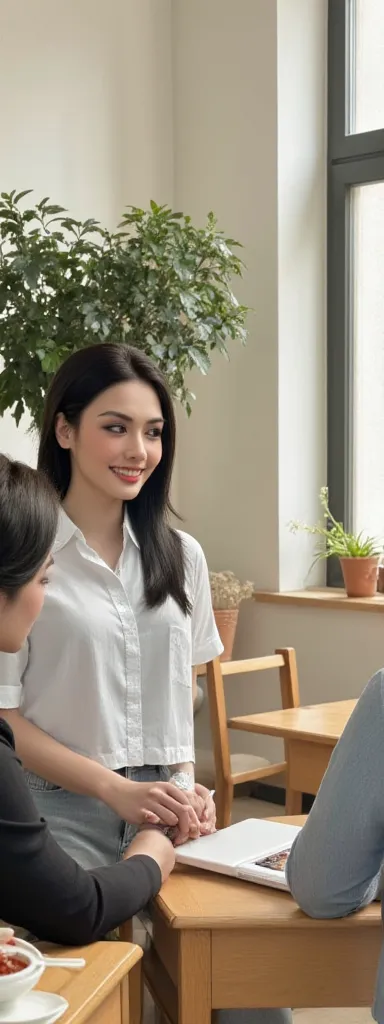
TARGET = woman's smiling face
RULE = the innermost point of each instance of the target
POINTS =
(118, 444)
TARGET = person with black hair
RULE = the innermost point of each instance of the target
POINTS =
(100, 698)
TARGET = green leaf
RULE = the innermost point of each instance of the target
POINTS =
(31, 275)
(53, 208)
(158, 350)
(204, 332)
(20, 195)
(18, 411)
(200, 359)
(9, 215)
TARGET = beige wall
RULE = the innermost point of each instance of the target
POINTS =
(225, 88)
(250, 140)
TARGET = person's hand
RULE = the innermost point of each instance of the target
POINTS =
(204, 807)
(153, 843)
(152, 803)
(208, 818)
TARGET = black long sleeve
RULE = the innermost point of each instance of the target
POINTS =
(42, 888)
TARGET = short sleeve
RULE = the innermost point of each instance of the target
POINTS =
(12, 668)
(206, 643)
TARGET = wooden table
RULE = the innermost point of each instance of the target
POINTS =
(102, 992)
(310, 735)
(222, 944)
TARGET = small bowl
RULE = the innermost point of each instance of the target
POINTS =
(12, 986)
(22, 944)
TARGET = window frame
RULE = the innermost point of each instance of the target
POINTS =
(353, 159)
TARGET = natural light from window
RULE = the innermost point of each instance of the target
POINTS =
(369, 65)
(368, 332)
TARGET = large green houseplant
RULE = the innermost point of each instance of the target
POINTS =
(157, 282)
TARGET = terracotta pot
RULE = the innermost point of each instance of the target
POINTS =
(226, 622)
(360, 575)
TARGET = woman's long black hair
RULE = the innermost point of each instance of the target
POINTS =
(76, 384)
(28, 523)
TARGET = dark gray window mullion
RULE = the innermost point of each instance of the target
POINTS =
(352, 160)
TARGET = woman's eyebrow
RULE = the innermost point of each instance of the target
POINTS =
(128, 419)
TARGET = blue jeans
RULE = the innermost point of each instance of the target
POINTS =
(95, 836)
(86, 828)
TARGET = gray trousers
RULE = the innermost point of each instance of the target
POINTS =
(336, 863)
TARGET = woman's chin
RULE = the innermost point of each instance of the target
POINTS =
(8, 646)
(124, 490)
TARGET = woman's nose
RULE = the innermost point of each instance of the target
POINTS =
(135, 447)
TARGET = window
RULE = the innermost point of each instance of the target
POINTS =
(356, 265)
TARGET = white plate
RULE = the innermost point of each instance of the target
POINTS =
(35, 1008)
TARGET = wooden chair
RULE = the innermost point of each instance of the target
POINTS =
(225, 775)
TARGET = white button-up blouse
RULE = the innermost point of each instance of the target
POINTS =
(102, 673)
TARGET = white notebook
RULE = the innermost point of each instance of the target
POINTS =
(254, 850)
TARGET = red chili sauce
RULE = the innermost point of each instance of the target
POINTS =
(11, 964)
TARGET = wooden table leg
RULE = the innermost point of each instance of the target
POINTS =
(126, 931)
(293, 794)
(293, 801)
(136, 986)
(124, 997)
(194, 981)
(307, 763)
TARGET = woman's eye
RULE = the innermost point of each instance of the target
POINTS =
(154, 433)
(44, 581)
(115, 428)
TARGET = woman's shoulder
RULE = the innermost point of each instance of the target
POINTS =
(194, 559)
(191, 546)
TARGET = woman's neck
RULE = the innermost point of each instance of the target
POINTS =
(98, 516)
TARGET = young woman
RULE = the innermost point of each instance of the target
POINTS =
(41, 887)
(336, 863)
(100, 699)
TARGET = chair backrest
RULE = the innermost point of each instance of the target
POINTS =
(283, 659)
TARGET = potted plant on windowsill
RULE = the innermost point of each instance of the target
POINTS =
(227, 595)
(358, 554)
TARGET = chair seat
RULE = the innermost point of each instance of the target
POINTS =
(205, 766)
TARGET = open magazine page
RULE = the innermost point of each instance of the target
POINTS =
(269, 870)
(275, 862)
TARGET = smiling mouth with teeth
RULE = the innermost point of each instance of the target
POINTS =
(125, 473)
